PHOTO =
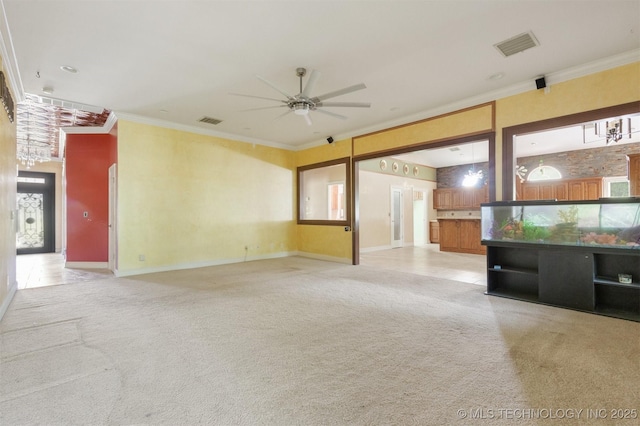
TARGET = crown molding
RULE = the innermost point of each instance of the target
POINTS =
(9, 62)
(193, 129)
(91, 130)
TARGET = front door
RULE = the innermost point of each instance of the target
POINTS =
(36, 213)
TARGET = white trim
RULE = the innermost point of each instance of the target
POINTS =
(90, 130)
(204, 264)
(378, 248)
(86, 265)
(324, 257)
(8, 299)
(9, 61)
(200, 131)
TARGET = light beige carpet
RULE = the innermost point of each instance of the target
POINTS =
(296, 341)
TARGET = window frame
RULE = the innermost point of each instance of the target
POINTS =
(347, 182)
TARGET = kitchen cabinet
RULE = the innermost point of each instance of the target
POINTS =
(633, 170)
(442, 199)
(562, 190)
(434, 232)
(461, 235)
(459, 198)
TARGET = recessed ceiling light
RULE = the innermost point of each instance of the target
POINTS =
(47, 90)
(68, 68)
(497, 76)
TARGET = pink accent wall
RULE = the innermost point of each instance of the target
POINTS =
(88, 158)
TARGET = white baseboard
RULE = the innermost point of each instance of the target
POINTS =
(370, 249)
(325, 257)
(204, 264)
(86, 265)
(7, 300)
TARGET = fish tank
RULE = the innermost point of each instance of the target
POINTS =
(611, 222)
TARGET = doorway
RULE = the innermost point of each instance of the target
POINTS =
(36, 213)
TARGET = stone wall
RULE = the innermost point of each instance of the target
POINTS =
(596, 162)
(451, 177)
(608, 161)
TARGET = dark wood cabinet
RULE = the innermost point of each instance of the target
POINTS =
(461, 235)
(580, 278)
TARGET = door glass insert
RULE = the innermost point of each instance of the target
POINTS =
(397, 218)
(30, 221)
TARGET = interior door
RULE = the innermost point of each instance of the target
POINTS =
(397, 215)
(36, 213)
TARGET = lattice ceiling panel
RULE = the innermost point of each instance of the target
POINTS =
(39, 124)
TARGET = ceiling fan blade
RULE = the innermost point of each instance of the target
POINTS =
(344, 104)
(257, 109)
(333, 114)
(264, 80)
(258, 97)
(310, 84)
(308, 119)
(339, 92)
(283, 114)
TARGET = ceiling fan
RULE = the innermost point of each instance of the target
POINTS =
(303, 102)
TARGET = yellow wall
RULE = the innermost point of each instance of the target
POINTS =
(324, 241)
(604, 89)
(188, 200)
(7, 206)
(616, 86)
(466, 122)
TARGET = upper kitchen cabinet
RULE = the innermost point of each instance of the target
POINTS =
(460, 198)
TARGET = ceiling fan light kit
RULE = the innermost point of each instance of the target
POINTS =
(303, 102)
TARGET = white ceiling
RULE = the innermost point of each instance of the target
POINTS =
(174, 62)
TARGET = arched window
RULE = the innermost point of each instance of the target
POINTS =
(544, 173)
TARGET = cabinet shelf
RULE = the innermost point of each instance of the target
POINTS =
(514, 294)
(610, 281)
(509, 269)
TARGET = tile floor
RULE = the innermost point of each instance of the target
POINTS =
(40, 270)
(430, 261)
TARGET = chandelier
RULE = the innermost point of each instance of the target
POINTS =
(30, 152)
(38, 126)
(33, 143)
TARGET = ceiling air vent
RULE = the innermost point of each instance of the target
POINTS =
(517, 44)
(210, 120)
